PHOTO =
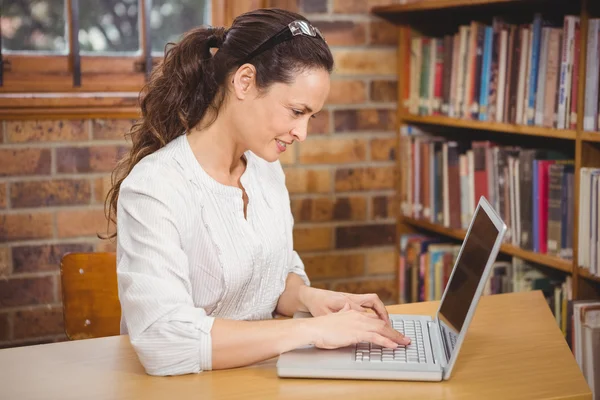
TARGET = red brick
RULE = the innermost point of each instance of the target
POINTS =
(320, 123)
(101, 188)
(343, 33)
(357, 6)
(384, 288)
(365, 235)
(344, 91)
(3, 198)
(289, 5)
(38, 322)
(332, 151)
(44, 258)
(383, 149)
(384, 91)
(365, 120)
(4, 327)
(383, 33)
(369, 178)
(365, 61)
(329, 209)
(383, 207)
(109, 246)
(5, 264)
(26, 291)
(81, 223)
(334, 266)
(25, 226)
(47, 131)
(302, 180)
(89, 159)
(311, 239)
(382, 262)
(313, 6)
(17, 162)
(111, 128)
(50, 193)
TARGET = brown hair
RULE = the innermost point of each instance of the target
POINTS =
(189, 80)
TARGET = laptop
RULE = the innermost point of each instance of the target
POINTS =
(435, 342)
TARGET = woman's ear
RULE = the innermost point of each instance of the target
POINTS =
(244, 81)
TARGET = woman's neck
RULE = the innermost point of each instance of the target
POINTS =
(218, 150)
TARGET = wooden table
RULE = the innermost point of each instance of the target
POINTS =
(514, 350)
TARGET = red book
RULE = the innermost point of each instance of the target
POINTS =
(543, 182)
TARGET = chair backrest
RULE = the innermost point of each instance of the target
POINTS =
(90, 297)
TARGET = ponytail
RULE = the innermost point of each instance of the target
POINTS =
(180, 91)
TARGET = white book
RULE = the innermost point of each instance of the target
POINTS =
(591, 79)
(566, 72)
(511, 195)
(460, 82)
(502, 75)
(541, 83)
(522, 75)
(517, 201)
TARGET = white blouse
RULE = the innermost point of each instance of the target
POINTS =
(186, 255)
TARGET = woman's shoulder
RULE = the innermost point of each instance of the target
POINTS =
(161, 171)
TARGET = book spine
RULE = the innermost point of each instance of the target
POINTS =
(575, 77)
(552, 75)
(591, 79)
(541, 82)
(502, 75)
(522, 74)
(485, 74)
(533, 67)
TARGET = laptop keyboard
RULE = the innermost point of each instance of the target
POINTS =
(413, 353)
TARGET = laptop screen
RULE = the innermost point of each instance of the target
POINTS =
(469, 269)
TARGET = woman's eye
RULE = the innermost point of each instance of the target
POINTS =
(297, 112)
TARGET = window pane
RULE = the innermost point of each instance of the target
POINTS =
(33, 25)
(109, 26)
(170, 18)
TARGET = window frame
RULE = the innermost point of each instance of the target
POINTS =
(53, 73)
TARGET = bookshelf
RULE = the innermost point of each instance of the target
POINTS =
(431, 17)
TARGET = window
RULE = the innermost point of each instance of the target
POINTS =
(39, 42)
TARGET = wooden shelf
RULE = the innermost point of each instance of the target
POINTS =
(543, 259)
(428, 5)
(583, 272)
(439, 120)
(590, 136)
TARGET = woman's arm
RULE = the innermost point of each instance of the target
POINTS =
(290, 300)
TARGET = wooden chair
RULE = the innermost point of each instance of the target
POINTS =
(91, 305)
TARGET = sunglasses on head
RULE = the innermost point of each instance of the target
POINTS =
(294, 28)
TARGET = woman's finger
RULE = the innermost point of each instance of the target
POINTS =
(373, 302)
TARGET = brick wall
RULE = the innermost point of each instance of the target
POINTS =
(54, 175)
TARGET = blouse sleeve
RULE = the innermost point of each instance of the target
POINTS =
(169, 334)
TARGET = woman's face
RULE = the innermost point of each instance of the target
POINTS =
(270, 121)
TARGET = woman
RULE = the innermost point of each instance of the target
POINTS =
(204, 234)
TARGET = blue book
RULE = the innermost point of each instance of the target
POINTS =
(534, 66)
(485, 73)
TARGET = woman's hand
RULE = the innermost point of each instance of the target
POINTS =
(348, 327)
(321, 302)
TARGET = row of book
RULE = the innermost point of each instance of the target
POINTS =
(589, 220)
(585, 320)
(513, 73)
(426, 263)
(531, 189)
